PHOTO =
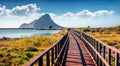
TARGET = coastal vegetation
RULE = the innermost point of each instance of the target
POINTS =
(16, 52)
(110, 36)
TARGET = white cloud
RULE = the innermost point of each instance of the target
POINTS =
(52, 14)
(30, 9)
(86, 14)
(27, 13)
(23, 10)
(3, 10)
(68, 14)
(82, 18)
(102, 12)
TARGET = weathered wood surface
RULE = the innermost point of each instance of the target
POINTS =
(77, 54)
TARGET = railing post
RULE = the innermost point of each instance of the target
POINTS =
(52, 56)
(94, 47)
(40, 62)
(92, 53)
(56, 51)
(117, 59)
(100, 48)
(104, 54)
(109, 56)
(57, 48)
(48, 59)
(91, 41)
(94, 42)
(97, 59)
(100, 62)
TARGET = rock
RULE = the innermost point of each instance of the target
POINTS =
(4, 38)
(43, 22)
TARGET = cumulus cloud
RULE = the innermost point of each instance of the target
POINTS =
(102, 12)
(31, 9)
(86, 14)
(27, 13)
(68, 14)
(3, 10)
(52, 14)
(81, 18)
(23, 10)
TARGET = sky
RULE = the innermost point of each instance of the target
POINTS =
(66, 13)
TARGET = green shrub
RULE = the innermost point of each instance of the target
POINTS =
(4, 60)
(1, 55)
(93, 31)
(86, 30)
(29, 55)
(9, 56)
(31, 49)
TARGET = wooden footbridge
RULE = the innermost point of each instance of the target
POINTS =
(77, 49)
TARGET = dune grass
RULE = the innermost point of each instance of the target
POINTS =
(112, 39)
(110, 36)
(16, 52)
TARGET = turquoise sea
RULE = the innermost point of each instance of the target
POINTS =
(21, 33)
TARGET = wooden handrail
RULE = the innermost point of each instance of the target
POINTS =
(100, 50)
(61, 52)
(54, 48)
(113, 48)
(103, 60)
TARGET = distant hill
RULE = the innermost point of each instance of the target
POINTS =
(44, 21)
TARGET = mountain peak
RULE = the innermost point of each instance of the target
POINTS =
(44, 21)
(45, 16)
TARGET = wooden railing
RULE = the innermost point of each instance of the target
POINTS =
(54, 56)
(103, 54)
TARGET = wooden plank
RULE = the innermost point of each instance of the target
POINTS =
(77, 53)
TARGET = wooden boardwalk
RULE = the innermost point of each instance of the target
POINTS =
(77, 54)
(70, 50)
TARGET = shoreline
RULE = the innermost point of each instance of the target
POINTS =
(7, 38)
(33, 28)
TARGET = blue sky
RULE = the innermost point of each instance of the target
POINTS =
(68, 13)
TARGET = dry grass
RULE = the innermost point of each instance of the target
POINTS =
(110, 36)
(112, 39)
(15, 52)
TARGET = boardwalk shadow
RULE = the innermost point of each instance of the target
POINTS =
(81, 53)
(84, 56)
(77, 54)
